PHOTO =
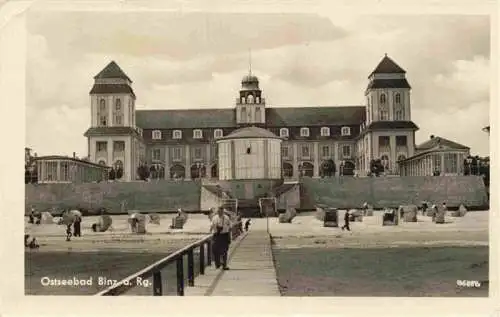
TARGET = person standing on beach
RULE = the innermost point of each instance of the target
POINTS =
(346, 221)
(221, 227)
(68, 232)
(77, 225)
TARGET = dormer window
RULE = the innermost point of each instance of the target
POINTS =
(156, 135)
(177, 134)
(304, 132)
(284, 133)
(345, 131)
(197, 134)
(218, 133)
(325, 131)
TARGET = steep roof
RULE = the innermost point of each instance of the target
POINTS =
(315, 116)
(251, 132)
(112, 89)
(226, 118)
(388, 66)
(388, 83)
(186, 119)
(437, 141)
(112, 71)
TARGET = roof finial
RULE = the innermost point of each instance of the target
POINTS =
(385, 54)
(250, 61)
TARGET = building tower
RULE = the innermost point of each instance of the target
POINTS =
(250, 106)
(390, 133)
(113, 138)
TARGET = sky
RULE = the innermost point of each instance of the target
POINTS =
(196, 60)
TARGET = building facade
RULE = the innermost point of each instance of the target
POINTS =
(436, 157)
(64, 169)
(183, 143)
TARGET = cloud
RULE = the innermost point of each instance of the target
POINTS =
(197, 60)
(179, 36)
(57, 130)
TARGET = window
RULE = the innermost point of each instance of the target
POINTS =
(197, 153)
(242, 99)
(346, 151)
(284, 132)
(305, 151)
(156, 154)
(384, 159)
(118, 146)
(450, 163)
(401, 140)
(383, 141)
(383, 113)
(118, 105)
(177, 154)
(401, 157)
(250, 99)
(304, 132)
(197, 134)
(345, 131)
(102, 146)
(103, 120)
(284, 151)
(102, 105)
(118, 119)
(177, 134)
(398, 113)
(156, 135)
(382, 99)
(257, 100)
(101, 162)
(325, 151)
(257, 114)
(325, 131)
(397, 98)
(218, 133)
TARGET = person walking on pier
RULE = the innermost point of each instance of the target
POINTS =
(221, 227)
(346, 221)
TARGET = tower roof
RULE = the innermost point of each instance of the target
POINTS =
(112, 71)
(388, 66)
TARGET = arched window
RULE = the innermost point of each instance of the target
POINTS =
(382, 99)
(118, 105)
(102, 105)
(250, 99)
(101, 162)
(397, 98)
(401, 157)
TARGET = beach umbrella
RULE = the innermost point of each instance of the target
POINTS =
(68, 218)
(76, 213)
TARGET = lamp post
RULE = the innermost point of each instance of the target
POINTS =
(341, 168)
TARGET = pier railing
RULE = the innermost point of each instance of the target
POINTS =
(178, 257)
